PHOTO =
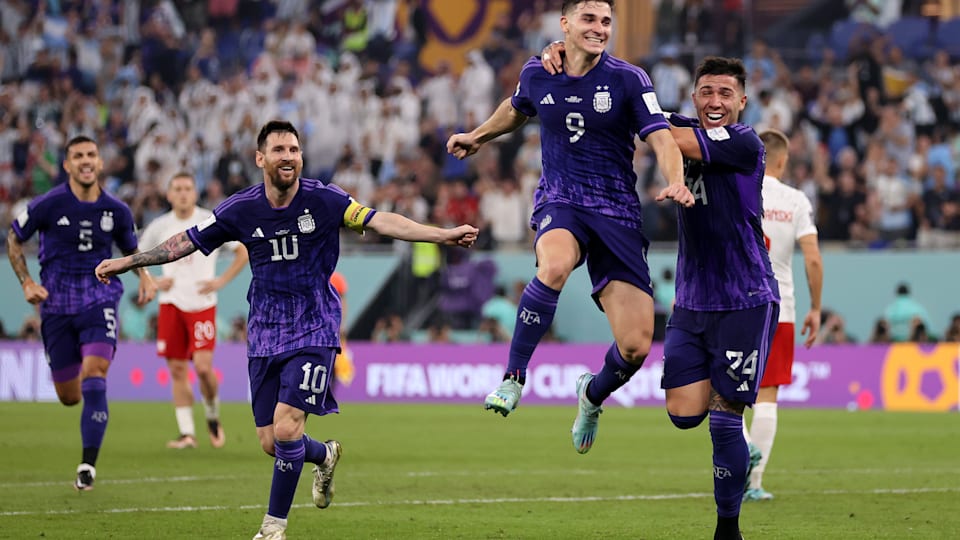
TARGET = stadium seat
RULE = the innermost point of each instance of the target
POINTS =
(846, 32)
(948, 37)
(913, 35)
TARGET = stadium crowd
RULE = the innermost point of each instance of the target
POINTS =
(167, 85)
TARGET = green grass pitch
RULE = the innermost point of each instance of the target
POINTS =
(445, 472)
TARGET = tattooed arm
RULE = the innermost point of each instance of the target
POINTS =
(32, 291)
(176, 247)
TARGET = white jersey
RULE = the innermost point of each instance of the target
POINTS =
(787, 217)
(188, 272)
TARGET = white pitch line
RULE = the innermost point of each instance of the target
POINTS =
(146, 480)
(497, 472)
(449, 502)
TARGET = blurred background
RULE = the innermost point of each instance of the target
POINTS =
(867, 90)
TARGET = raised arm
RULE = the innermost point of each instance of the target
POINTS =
(813, 264)
(33, 292)
(504, 120)
(402, 228)
(175, 247)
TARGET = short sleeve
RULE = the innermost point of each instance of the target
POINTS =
(31, 219)
(125, 234)
(646, 107)
(803, 217)
(521, 100)
(736, 146)
(212, 232)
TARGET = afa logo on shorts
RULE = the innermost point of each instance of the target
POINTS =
(545, 222)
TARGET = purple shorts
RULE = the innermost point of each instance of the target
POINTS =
(728, 347)
(300, 378)
(613, 252)
(68, 338)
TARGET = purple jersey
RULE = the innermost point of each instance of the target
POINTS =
(723, 262)
(587, 129)
(74, 237)
(293, 251)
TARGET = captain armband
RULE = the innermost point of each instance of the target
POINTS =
(357, 215)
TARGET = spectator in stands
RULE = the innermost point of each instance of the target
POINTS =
(902, 312)
(833, 329)
(499, 316)
(952, 334)
(881, 332)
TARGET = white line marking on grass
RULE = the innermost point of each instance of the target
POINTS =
(449, 502)
(147, 480)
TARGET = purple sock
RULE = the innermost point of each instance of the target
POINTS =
(538, 304)
(93, 418)
(286, 473)
(314, 451)
(614, 374)
(730, 459)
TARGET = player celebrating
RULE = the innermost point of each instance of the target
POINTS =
(290, 226)
(587, 208)
(78, 224)
(187, 322)
(787, 220)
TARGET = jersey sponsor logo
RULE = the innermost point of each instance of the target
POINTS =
(573, 99)
(206, 223)
(305, 222)
(106, 221)
(650, 100)
(602, 102)
(718, 134)
(23, 218)
(312, 400)
(547, 100)
(257, 233)
(744, 387)
(773, 214)
(63, 221)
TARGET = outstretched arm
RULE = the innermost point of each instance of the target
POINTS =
(176, 247)
(402, 228)
(814, 267)
(32, 291)
(504, 120)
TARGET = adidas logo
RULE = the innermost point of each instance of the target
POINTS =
(744, 386)
(312, 400)
(63, 221)
(547, 100)
(258, 233)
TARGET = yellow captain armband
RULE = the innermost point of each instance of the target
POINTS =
(356, 216)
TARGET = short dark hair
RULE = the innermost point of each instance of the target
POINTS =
(569, 5)
(721, 65)
(77, 140)
(275, 126)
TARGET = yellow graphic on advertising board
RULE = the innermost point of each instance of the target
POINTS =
(914, 379)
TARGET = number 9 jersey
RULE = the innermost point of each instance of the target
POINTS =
(587, 129)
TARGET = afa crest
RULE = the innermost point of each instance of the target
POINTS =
(106, 222)
(602, 102)
(305, 222)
